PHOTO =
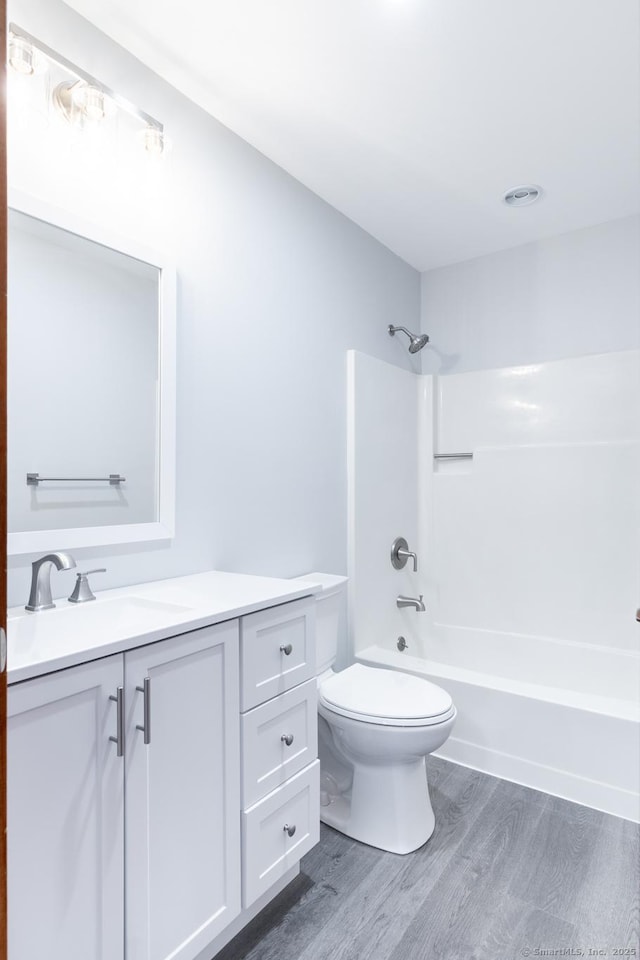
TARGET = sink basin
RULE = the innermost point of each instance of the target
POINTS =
(53, 635)
(114, 611)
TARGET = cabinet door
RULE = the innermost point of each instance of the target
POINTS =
(182, 792)
(65, 816)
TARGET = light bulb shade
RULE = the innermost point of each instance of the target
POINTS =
(90, 101)
(24, 58)
(21, 56)
(82, 103)
(154, 141)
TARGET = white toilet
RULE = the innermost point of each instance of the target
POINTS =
(376, 726)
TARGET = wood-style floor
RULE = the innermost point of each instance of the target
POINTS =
(508, 873)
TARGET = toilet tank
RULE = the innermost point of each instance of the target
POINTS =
(331, 618)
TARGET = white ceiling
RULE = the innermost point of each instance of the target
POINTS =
(412, 117)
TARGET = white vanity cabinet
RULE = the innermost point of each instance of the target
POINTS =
(161, 795)
(72, 801)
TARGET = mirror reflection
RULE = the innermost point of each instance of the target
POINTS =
(83, 390)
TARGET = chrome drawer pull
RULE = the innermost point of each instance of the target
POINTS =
(286, 649)
(289, 830)
(145, 726)
(287, 738)
(119, 737)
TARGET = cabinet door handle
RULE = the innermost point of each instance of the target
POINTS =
(145, 726)
(286, 649)
(287, 738)
(119, 737)
(289, 830)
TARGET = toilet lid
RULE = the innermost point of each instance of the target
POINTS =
(378, 695)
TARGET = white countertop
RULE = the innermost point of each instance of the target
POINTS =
(129, 617)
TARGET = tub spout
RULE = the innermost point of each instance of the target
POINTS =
(411, 602)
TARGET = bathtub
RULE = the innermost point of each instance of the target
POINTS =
(525, 714)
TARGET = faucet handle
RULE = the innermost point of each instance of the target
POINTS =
(82, 592)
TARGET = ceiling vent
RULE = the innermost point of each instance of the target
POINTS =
(522, 196)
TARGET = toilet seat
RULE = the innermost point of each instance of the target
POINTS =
(385, 697)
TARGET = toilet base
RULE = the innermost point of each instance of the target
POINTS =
(385, 807)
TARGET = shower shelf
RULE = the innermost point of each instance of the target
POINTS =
(453, 456)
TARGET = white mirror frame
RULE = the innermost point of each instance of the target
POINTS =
(37, 541)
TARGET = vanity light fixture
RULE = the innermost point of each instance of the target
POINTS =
(81, 100)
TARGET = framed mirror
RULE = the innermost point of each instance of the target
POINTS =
(91, 385)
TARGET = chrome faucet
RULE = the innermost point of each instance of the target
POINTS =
(411, 602)
(40, 593)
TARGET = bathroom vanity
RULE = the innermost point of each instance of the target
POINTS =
(163, 772)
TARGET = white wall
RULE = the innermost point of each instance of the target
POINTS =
(572, 295)
(274, 287)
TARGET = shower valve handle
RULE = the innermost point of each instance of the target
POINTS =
(400, 553)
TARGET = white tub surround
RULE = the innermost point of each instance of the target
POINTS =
(527, 559)
(179, 815)
(383, 447)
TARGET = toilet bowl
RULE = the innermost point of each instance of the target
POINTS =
(376, 727)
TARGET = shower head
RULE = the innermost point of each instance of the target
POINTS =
(416, 343)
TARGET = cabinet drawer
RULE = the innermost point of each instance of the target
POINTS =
(279, 738)
(277, 651)
(267, 849)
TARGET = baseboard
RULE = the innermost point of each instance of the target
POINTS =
(559, 783)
